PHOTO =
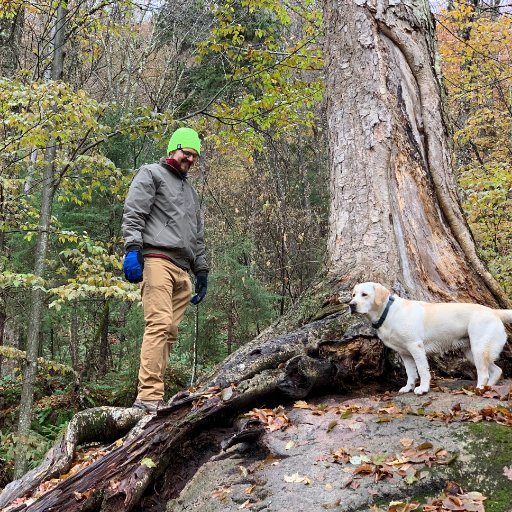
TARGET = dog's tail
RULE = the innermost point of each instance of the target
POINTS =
(505, 315)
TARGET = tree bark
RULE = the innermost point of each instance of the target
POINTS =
(10, 37)
(73, 339)
(395, 214)
(103, 351)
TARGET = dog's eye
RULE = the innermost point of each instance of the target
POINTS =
(364, 294)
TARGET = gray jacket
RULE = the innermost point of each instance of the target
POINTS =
(162, 215)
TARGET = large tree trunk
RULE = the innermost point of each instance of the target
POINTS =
(395, 214)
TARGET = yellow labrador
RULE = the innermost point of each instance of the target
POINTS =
(415, 329)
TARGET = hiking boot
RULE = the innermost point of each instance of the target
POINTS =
(150, 406)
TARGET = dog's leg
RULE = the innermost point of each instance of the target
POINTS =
(487, 339)
(417, 351)
(494, 374)
(493, 370)
(500, 338)
(412, 374)
(482, 362)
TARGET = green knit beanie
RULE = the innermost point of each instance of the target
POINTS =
(184, 138)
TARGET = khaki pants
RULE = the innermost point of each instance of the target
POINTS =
(166, 291)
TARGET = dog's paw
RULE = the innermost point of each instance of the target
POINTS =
(421, 390)
(405, 389)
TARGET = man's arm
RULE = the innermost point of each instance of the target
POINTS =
(137, 207)
(200, 263)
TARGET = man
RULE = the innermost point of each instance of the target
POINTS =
(163, 233)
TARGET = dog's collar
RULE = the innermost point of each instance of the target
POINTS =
(380, 321)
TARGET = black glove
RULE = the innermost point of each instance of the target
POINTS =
(132, 266)
(201, 287)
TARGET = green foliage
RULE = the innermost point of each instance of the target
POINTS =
(37, 112)
(234, 311)
(475, 46)
(129, 80)
(10, 388)
(234, 279)
(50, 366)
(269, 71)
(487, 203)
(34, 446)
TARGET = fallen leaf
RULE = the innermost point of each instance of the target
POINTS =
(146, 461)
(364, 468)
(356, 460)
(331, 425)
(221, 493)
(78, 495)
(296, 479)
(411, 478)
(330, 506)
(406, 442)
(226, 394)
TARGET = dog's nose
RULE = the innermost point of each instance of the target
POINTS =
(352, 306)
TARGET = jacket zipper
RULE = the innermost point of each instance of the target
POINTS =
(165, 225)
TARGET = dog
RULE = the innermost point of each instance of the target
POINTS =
(415, 328)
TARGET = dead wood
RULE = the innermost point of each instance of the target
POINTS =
(100, 424)
(292, 366)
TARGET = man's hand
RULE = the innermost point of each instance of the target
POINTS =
(201, 287)
(132, 266)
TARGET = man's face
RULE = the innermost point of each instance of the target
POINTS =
(185, 158)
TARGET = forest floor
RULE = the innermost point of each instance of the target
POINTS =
(450, 449)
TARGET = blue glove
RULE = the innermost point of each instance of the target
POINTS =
(132, 266)
(201, 287)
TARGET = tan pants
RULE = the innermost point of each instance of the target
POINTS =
(166, 291)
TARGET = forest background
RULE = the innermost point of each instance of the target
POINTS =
(92, 89)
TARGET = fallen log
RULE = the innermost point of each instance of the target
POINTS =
(290, 366)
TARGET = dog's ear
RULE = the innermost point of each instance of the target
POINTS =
(381, 295)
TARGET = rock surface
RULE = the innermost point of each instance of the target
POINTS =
(359, 453)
